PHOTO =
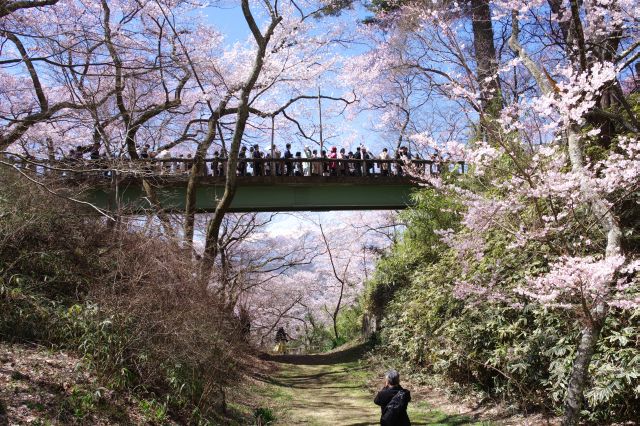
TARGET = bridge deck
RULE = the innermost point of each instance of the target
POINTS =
(356, 184)
(261, 193)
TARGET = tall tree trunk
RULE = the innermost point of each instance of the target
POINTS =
(580, 371)
(213, 125)
(486, 61)
(597, 315)
(213, 228)
(606, 220)
(197, 169)
(336, 311)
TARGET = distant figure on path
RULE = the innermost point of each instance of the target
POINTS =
(393, 401)
(281, 341)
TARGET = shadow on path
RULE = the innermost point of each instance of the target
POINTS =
(331, 389)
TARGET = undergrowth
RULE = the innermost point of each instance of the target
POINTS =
(518, 356)
(125, 300)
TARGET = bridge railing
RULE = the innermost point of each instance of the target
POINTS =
(217, 167)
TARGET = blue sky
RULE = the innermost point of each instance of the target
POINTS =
(227, 17)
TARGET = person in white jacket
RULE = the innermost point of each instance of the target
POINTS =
(307, 165)
(165, 166)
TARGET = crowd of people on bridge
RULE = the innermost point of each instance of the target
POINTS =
(253, 161)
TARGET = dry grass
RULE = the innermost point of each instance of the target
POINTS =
(126, 301)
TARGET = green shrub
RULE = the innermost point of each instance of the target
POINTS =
(153, 411)
(522, 356)
(264, 416)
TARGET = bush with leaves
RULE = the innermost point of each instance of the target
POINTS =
(127, 302)
(517, 353)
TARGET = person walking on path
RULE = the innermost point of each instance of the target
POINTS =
(281, 341)
(393, 400)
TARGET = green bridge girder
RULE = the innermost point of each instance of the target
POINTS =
(256, 194)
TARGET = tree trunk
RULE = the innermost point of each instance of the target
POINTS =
(580, 371)
(213, 228)
(486, 62)
(606, 219)
(196, 170)
(337, 311)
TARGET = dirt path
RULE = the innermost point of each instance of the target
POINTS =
(333, 389)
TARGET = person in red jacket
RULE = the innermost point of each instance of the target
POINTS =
(332, 165)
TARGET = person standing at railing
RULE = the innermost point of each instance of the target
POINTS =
(357, 164)
(384, 166)
(257, 165)
(404, 157)
(288, 164)
(277, 156)
(267, 163)
(332, 165)
(307, 165)
(242, 164)
(342, 165)
(368, 165)
(351, 166)
(298, 164)
(215, 164)
(316, 166)
(436, 163)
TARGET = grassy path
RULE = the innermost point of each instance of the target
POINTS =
(332, 389)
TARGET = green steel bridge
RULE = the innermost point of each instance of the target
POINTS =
(347, 184)
(259, 193)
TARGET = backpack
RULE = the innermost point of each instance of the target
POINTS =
(395, 408)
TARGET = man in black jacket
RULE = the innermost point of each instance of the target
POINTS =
(288, 165)
(385, 399)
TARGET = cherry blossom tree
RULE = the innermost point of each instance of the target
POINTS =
(557, 168)
(284, 53)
